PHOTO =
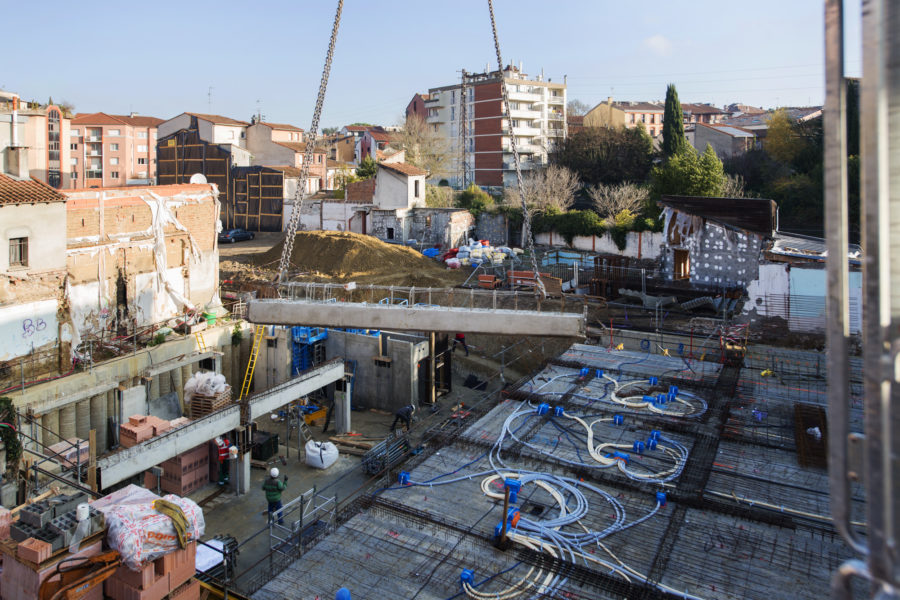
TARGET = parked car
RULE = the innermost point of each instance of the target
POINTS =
(230, 236)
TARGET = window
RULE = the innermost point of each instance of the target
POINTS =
(114, 147)
(515, 122)
(142, 161)
(452, 97)
(142, 148)
(643, 118)
(114, 132)
(631, 117)
(142, 135)
(452, 113)
(471, 94)
(513, 106)
(75, 132)
(682, 264)
(73, 146)
(390, 233)
(74, 161)
(74, 175)
(416, 190)
(427, 217)
(114, 174)
(653, 118)
(114, 161)
(18, 252)
(319, 158)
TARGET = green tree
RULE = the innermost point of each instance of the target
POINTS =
(689, 174)
(781, 143)
(475, 200)
(606, 155)
(330, 130)
(367, 168)
(673, 124)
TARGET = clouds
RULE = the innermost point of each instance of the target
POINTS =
(659, 45)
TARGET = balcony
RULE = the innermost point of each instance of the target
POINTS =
(526, 131)
(93, 138)
(556, 133)
(93, 175)
(525, 114)
(524, 97)
(557, 100)
(94, 153)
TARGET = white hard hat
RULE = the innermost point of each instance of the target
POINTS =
(274, 416)
(413, 407)
(219, 440)
(273, 473)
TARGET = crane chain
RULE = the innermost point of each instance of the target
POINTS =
(504, 93)
(300, 194)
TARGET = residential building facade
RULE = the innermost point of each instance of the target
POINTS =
(726, 140)
(481, 143)
(112, 150)
(626, 114)
(702, 113)
(43, 131)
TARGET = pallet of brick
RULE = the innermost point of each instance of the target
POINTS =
(156, 579)
(202, 404)
(69, 452)
(21, 579)
(160, 426)
(185, 485)
(132, 435)
(187, 591)
(188, 461)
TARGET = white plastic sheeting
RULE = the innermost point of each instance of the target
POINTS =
(207, 384)
(321, 455)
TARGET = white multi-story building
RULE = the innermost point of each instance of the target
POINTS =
(537, 111)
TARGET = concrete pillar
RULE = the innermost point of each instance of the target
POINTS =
(67, 421)
(111, 409)
(227, 366)
(83, 418)
(342, 408)
(239, 471)
(165, 383)
(153, 393)
(178, 384)
(98, 421)
(50, 432)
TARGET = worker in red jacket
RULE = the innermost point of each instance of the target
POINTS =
(460, 339)
(222, 445)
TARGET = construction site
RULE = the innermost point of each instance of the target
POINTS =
(324, 414)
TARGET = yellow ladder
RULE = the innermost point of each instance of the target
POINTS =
(201, 343)
(251, 364)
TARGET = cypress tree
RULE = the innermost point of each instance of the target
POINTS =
(673, 124)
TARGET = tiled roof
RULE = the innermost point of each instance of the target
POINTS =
(218, 119)
(381, 136)
(729, 129)
(140, 120)
(756, 215)
(404, 169)
(14, 191)
(97, 119)
(336, 164)
(300, 147)
(639, 107)
(280, 126)
(701, 109)
(286, 169)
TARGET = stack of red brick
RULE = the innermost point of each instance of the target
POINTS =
(22, 581)
(166, 577)
(141, 428)
(184, 474)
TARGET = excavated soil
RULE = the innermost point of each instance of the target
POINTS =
(343, 256)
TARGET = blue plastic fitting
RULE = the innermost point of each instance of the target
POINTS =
(510, 514)
(680, 349)
(343, 594)
(649, 399)
(618, 419)
(654, 380)
(599, 373)
(514, 486)
(585, 371)
(638, 446)
(651, 444)
(558, 411)
(498, 529)
(671, 396)
(673, 389)
(620, 455)
(542, 408)
(467, 576)
(403, 478)
(661, 498)
(661, 398)
(655, 434)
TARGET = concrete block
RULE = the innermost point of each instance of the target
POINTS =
(21, 531)
(56, 541)
(37, 514)
(8, 493)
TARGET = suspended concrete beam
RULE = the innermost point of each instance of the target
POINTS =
(132, 461)
(416, 318)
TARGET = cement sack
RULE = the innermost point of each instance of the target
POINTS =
(141, 534)
(321, 455)
(206, 383)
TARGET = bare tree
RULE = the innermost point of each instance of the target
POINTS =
(577, 108)
(734, 187)
(424, 147)
(611, 199)
(549, 189)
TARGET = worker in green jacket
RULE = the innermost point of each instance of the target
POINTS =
(273, 489)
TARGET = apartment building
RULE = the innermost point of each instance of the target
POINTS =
(483, 149)
(32, 140)
(112, 150)
(627, 114)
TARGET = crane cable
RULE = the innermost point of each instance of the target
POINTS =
(526, 229)
(300, 194)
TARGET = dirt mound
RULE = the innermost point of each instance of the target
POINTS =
(353, 257)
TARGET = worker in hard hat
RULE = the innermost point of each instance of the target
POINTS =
(223, 456)
(273, 489)
(405, 414)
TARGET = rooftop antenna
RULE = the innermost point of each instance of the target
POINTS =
(209, 98)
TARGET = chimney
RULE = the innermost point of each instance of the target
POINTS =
(133, 114)
(17, 162)
(15, 122)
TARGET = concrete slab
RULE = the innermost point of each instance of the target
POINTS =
(414, 318)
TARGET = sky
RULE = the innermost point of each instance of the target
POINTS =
(239, 58)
